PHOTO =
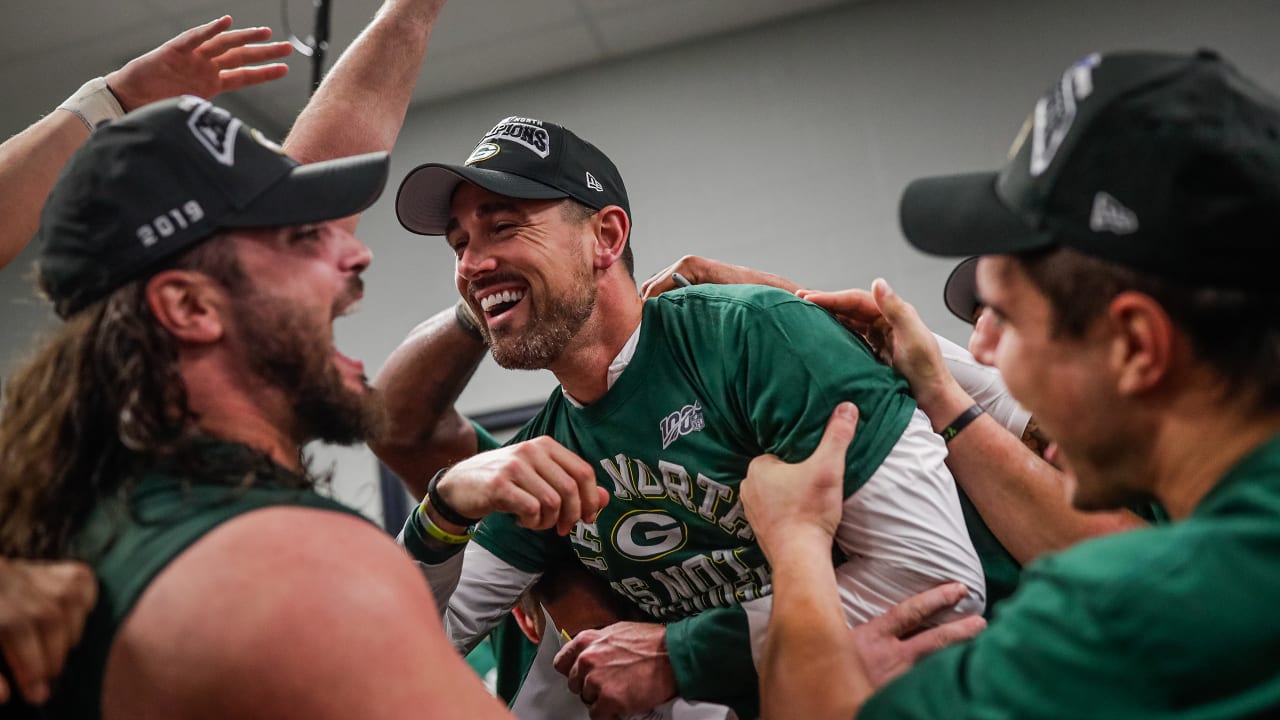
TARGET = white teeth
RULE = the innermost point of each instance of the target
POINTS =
(506, 296)
(351, 309)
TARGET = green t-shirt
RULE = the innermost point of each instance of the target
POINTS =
(720, 375)
(1174, 621)
(129, 541)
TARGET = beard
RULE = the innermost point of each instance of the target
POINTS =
(291, 354)
(554, 321)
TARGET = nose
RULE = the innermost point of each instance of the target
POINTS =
(475, 260)
(356, 256)
(986, 334)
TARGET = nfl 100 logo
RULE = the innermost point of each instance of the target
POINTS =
(681, 422)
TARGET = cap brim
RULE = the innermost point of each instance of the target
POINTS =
(960, 294)
(317, 192)
(955, 215)
(422, 204)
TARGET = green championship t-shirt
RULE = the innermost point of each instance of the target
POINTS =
(720, 375)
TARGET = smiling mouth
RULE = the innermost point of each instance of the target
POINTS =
(501, 302)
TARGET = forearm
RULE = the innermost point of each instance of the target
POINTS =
(361, 105)
(1022, 498)
(809, 667)
(29, 164)
(421, 382)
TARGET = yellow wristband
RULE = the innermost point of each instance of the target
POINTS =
(440, 533)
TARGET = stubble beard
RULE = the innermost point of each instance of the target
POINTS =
(295, 356)
(552, 326)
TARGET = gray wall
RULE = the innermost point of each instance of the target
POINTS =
(783, 148)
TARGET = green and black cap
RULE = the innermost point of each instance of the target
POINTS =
(163, 178)
(519, 158)
(1165, 163)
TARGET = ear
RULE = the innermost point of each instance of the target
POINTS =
(1144, 342)
(188, 304)
(527, 625)
(613, 231)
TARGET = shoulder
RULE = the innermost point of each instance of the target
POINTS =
(731, 309)
(279, 612)
(728, 297)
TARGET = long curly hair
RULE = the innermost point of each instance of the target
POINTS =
(100, 397)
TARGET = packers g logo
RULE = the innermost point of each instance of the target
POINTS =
(643, 535)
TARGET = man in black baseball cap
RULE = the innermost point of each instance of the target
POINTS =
(1127, 253)
(170, 177)
(688, 386)
(157, 435)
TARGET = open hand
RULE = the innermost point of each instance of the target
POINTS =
(206, 60)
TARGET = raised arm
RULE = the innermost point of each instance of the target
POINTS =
(361, 104)
(1021, 497)
(421, 381)
(205, 61)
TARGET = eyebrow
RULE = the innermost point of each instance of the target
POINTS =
(485, 210)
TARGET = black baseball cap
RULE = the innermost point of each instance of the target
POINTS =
(519, 158)
(1165, 163)
(162, 178)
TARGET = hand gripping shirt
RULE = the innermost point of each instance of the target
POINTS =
(720, 375)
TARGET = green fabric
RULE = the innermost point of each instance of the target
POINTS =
(720, 375)
(1174, 621)
(129, 541)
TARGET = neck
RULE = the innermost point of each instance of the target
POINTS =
(229, 408)
(1199, 441)
(583, 368)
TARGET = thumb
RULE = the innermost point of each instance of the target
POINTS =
(891, 305)
(838, 435)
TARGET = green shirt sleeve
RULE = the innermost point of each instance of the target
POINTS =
(711, 657)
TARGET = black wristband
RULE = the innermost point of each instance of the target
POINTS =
(437, 502)
(961, 422)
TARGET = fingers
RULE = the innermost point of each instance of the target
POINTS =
(222, 42)
(656, 285)
(191, 39)
(24, 648)
(897, 311)
(244, 77)
(934, 639)
(911, 613)
(567, 659)
(852, 306)
(75, 590)
(539, 481)
(252, 55)
(836, 438)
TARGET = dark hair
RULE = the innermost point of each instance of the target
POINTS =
(101, 397)
(575, 212)
(1235, 332)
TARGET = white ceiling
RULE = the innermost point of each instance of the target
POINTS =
(49, 47)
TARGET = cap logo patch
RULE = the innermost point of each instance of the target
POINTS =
(1109, 215)
(1056, 111)
(216, 130)
(593, 183)
(522, 131)
(483, 151)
